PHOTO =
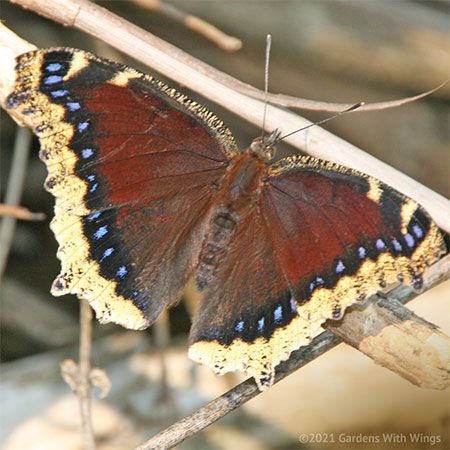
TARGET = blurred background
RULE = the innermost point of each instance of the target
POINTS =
(337, 51)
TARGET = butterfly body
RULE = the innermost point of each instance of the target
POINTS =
(151, 191)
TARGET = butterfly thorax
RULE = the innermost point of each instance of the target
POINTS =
(236, 198)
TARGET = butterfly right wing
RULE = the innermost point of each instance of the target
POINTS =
(321, 238)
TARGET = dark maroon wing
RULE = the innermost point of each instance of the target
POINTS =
(321, 238)
(133, 165)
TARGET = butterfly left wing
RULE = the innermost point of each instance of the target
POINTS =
(321, 238)
(133, 165)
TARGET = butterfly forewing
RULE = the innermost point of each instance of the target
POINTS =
(133, 165)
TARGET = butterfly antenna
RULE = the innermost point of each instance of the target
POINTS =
(266, 81)
(352, 108)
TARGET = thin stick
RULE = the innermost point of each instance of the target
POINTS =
(21, 213)
(14, 191)
(200, 26)
(245, 391)
(212, 84)
(83, 388)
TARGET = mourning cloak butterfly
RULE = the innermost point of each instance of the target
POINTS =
(152, 191)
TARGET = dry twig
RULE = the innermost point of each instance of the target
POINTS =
(223, 89)
(21, 213)
(200, 26)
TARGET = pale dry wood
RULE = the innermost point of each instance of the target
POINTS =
(382, 312)
(394, 337)
(215, 85)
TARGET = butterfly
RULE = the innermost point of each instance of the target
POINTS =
(152, 192)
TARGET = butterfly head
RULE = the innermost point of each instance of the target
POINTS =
(264, 146)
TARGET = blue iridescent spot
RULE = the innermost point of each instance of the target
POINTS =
(93, 187)
(340, 267)
(121, 271)
(53, 67)
(261, 325)
(135, 293)
(59, 93)
(293, 305)
(107, 252)
(278, 314)
(418, 231)
(397, 245)
(319, 281)
(91, 177)
(380, 244)
(239, 326)
(93, 216)
(73, 106)
(87, 153)
(100, 232)
(82, 126)
(409, 240)
(52, 79)
(362, 252)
